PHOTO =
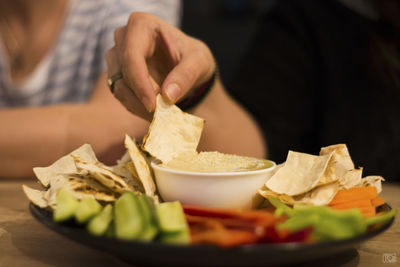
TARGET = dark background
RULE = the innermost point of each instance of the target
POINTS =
(226, 26)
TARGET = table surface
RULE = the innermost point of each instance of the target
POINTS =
(26, 242)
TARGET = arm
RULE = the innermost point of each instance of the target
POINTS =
(38, 136)
(162, 59)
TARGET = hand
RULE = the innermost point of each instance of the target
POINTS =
(155, 57)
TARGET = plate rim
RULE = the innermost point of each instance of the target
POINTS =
(42, 216)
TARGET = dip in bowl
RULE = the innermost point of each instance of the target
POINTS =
(212, 179)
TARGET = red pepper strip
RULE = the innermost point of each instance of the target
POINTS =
(228, 223)
(261, 218)
(212, 231)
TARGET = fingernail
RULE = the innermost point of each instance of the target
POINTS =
(147, 103)
(173, 91)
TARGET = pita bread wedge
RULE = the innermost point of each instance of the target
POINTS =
(65, 164)
(172, 132)
(35, 196)
(265, 192)
(124, 171)
(339, 164)
(300, 174)
(141, 168)
(372, 181)
(80, 186)
(351, 178)
(318, 196)
(103, 175)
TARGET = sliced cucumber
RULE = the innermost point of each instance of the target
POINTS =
(66, 205)
(150, 229)
(129, 220)
(172, 223)
(101, 222)
(87, 208)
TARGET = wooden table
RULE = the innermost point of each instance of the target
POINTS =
(25, 242)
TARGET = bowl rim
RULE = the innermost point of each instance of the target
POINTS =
(155, 164)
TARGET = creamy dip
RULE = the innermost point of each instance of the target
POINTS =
(215, 162)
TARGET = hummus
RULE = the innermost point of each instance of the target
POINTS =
(215, 162)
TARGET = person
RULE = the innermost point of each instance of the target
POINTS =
(162, 59)
(318, 73)
(53, 84)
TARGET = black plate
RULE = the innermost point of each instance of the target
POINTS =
(158, 254)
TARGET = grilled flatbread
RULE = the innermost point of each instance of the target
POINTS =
(141, 168)
(65, 164)
(172, 132)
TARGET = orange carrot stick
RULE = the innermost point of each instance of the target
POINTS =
(365, 210)
(377, 201)
(352, 204)
(368, 211)
(354, 193)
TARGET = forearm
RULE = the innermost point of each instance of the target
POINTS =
(228, 127)
(39, 136)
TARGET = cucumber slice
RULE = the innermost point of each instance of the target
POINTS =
(171, 217)
(182, 237)
(101, 222)
(129, 221)
(66, 205)
(172, 223)
(150, 221)
(87, 208)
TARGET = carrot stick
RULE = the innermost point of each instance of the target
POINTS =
(377, 201)
(352, 204)
(365, 210)
(368, 211)
(354, 193)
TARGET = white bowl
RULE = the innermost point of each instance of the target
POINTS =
(211, 189)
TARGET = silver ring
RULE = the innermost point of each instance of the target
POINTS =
(113, 79)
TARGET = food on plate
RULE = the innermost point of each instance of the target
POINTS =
(84, 176)
(101, 223)
(141, 168)
(327, 223)
(66, 206)
(216, 162)
(131, 217)
(229, 228)
(149, 217)
(308, 198)
(129, 221)
(315, 180)
(172, 223)
(172, 131)
(87, 208)
(365, 198)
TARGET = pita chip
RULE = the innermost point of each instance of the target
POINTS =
(66, 164)
(339, 164)
(300, 174)
(80, 186)
(172, 132)
(35, 196)
(141, 168)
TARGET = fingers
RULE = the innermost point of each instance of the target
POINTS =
(150, 52)
(121, 91)
(196, 67)
(128, 98)
(137, 45)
